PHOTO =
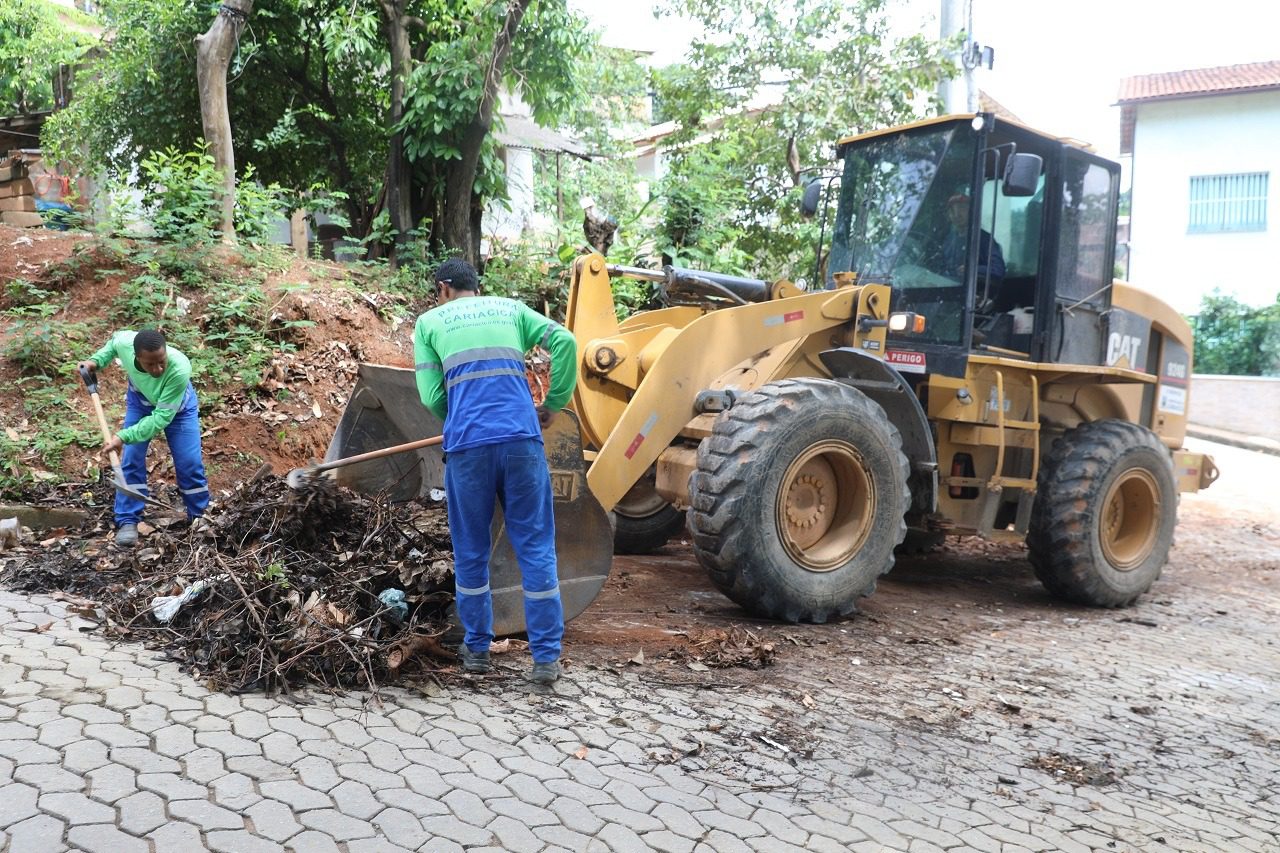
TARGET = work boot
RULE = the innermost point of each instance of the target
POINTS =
(127, 535)
(545, 673)
(473, 662)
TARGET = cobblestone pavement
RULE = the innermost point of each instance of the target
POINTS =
(963, 710)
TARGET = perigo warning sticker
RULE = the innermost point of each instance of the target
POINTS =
(906, 361)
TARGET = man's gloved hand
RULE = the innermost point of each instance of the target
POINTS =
(544, 416)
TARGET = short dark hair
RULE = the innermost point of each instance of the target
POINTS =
(148, 340)
(458, 274)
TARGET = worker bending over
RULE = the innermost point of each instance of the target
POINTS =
(160, 399)
(470, 353)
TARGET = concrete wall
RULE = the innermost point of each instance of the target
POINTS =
(1243, 404)
(1175, 140)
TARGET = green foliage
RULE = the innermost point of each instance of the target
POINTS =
(22, 293)
(766, 76)
(35, 38)
(309, 92)
(182, 192)
(1234, 338)
(40, 343)
(62, 417)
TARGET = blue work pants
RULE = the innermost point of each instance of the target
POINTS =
(183, 435)
(513, 473)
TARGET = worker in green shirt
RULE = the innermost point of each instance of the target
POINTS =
(469, 353)
(160, 399)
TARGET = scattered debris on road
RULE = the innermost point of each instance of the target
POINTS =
(1076, 771)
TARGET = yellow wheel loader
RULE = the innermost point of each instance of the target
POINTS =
(964, 363)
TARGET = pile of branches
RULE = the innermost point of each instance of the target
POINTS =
(275, 588)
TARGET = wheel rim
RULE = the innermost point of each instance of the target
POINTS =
(826, 504)
(1130, 518)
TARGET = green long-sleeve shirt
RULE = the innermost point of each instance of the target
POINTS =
(469, 356)
(165, 392)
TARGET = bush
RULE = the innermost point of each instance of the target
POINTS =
(1237, 339)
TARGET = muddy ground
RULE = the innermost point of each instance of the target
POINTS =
(1225, 566)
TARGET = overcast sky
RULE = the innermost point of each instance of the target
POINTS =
(1058, 64)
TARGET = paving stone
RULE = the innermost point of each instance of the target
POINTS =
(281, 747)
(41, 833)
(273, 819)
(175, 741)
(108, 784)
(235, 791)
(83, 756)
(17, 803)
(451, 828)
(76, 809)
(49, 778)
(622, 839)
(204, 765)
(260, 769)
(142, 812)
(667, 842)
(401, 827)
(523, 812)
(228, 744)
(205, 815)
(375, 845)
(299, 797)
(239, 841)
(335, 824)
(312, 842)
(514, 836)
(144, 760)
(171, 786)
(678, 820)
(104, 838)
(355, 800)
(633, 820)
(317, 773)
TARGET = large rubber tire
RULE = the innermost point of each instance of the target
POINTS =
(1106, 507)
(751, 530)
(646, 534)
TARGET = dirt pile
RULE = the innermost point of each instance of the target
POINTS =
(273, 589)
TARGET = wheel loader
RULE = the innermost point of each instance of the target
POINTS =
(963, 363)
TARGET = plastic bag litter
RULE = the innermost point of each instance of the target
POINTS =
(165, 607)
(10, 533)
(436, 494)
(394, 600)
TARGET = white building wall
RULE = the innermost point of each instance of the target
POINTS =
(505, 220)
(1175, 140)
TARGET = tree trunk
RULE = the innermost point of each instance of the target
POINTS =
(461, 228)
(395, 25)
(214, 50)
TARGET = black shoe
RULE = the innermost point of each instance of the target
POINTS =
(545, 673)
(475, 662)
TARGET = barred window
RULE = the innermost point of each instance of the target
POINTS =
(1228, 203)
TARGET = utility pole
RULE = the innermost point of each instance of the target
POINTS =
(960, 94)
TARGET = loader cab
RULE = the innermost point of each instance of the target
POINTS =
(997, 264)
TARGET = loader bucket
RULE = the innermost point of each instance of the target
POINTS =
(384, 409)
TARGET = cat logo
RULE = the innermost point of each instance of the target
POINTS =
(1122, 351)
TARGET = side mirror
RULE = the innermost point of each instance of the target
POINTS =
(1022, 174)
(812, 197)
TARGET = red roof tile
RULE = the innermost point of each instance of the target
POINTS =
(1200, 81)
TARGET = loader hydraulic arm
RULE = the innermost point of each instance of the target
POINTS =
(638, 382)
